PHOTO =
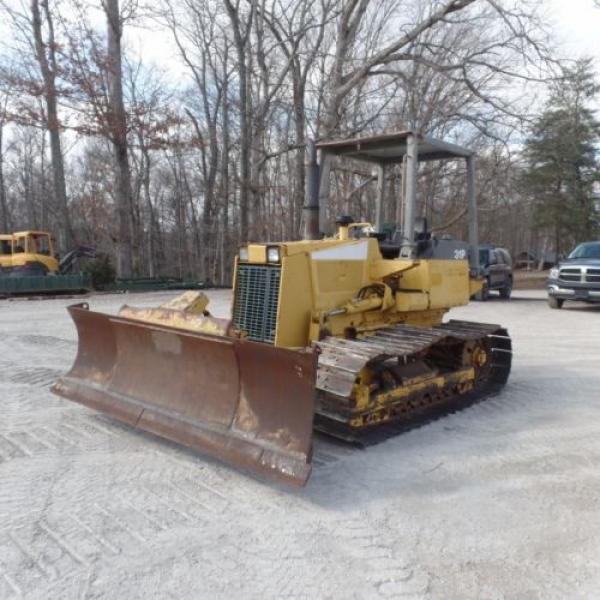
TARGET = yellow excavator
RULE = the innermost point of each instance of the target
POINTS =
(32, 253)
(339, 332)
(27, 253)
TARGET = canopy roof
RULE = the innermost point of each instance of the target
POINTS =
(391, 148)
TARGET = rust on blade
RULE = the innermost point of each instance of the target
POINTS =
(247, 403)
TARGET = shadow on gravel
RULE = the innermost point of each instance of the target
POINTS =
(463, 450)
(520, 298)
(581, 307)
(523, 299)
(430, 461)
(568, 305)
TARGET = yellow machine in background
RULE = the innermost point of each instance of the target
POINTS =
(343, 332)
(33, 254)
(28, 252)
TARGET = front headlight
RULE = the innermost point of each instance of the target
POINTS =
(553, 273)
(273, 254)
(244, 253)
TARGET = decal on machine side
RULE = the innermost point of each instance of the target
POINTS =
(350, 251)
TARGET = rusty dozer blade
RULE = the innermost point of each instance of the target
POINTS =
(249, 404)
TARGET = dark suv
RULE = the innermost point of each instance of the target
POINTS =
(496, 267)
(577, 277)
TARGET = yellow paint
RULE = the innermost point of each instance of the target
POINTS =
(178, 319)
(257, 253)
(375, 408)
(321, 297)
(355, 292)
(439, 381)
(349, 291)
(385, 268)
(18, 249)
(344, 230)
(409, 301)
(295, 301)
(475, 286)
(191, 302)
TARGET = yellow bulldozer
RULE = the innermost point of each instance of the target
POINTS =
(341, 332)
(27, 253)
(32, 253)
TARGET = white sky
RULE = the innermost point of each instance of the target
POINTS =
(577, 28)
(576, 25)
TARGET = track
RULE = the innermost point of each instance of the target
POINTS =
(341, 362)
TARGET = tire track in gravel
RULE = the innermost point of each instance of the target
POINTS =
(390, 574)
(489, 502)
(39, 377)
(56, 546)
(47, 341)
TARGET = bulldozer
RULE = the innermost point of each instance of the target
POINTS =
(32, 254)
(27, 253)
(341, 332)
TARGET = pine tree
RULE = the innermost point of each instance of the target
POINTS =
(563, 161)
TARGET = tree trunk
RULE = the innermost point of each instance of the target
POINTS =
(45, 55)
(148, 201)
(3, 205)
(226, 241)
(242, 73)
(117, 125)
(44, 189)
(299, 159)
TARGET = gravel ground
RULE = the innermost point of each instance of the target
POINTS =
(501, 500)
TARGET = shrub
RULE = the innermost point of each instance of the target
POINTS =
(101, 270)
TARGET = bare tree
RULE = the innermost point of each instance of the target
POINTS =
(149, 98)
(222, 161)
(4, 214)
(117, 121)
(33, 73)
(241, 25)
(300, 37)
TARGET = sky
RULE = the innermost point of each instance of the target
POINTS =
(577, 27)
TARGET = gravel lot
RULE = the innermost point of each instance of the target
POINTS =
(501, 500)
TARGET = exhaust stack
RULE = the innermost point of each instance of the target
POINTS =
(311, 203)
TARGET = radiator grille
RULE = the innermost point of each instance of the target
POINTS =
(255, 303)
(593, 275)
(580, 274)
(570, 274)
